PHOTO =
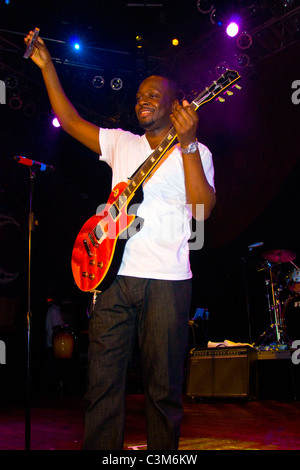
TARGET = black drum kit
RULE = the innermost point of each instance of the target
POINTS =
(282, 280)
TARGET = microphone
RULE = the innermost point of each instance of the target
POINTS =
(31, 163)
(32, 43)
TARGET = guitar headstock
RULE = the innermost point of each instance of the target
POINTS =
(221, 85)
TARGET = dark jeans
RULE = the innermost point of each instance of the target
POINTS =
(157, 311)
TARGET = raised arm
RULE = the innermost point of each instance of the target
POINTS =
(82, 130)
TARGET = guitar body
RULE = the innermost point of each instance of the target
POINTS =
(98, 248)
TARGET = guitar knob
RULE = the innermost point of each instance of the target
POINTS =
(92, 262)
(85, 274)
(91, 276)
(100, 265)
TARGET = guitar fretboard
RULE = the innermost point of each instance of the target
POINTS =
(145, 170)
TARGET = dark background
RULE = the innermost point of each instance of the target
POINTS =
(253, 135)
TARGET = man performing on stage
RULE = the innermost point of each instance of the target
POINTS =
(150, 297)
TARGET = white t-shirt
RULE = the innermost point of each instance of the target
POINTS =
(160, 249)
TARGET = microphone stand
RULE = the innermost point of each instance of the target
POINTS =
(246, 284)
(31, 223)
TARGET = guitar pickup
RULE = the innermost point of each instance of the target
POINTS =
(98, 232)
(114, 211)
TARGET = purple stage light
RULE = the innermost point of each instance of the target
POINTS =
(55, 122)
(232, 29)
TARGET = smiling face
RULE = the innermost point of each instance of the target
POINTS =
(154, 103)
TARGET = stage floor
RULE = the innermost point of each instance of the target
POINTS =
(57, 424)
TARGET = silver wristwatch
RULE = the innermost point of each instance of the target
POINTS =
(191, 148)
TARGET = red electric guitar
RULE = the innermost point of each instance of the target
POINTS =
(99, 246)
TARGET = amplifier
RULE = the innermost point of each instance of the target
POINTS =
(222, 372)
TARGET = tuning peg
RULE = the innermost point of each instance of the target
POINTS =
(220, 99)
(228, 92)
(237, 86)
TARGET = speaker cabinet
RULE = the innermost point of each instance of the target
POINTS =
(222, 372)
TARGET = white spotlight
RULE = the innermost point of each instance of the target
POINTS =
(232, 29)
(98, 81)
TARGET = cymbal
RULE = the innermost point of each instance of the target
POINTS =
(279, 256)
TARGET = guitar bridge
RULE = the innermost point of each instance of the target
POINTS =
(93, 242)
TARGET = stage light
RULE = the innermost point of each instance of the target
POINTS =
(244, 41)
(55, 122)
(243, 60)
(11, 82)
(287, 3)
(139, 41)
(15, 102)
(75, 43)
(116, 84)
(175, 42)
(204, 6)
(221, 68)
(232, 29)
(98, 81)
